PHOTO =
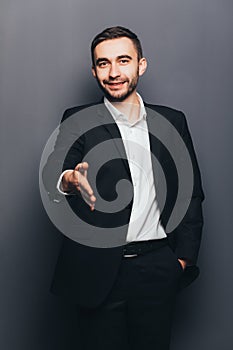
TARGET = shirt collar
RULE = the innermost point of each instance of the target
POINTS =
(117, 115)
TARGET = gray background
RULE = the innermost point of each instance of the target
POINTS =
(45, 68)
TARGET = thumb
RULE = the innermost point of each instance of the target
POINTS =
(82, 168)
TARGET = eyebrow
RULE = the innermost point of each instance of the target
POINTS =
(104, 59)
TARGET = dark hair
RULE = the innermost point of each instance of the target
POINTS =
(114, 33)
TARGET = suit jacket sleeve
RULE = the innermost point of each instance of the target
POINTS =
(63, 157)
(189, 231)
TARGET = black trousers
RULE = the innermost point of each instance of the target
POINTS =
(137, 314)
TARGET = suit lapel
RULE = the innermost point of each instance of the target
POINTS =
(110, 125)
(156, 158)
(155, 144)
(164, 168)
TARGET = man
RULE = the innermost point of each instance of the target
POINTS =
(125, 293)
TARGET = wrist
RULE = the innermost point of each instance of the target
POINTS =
(65, 183)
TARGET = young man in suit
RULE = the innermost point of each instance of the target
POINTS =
(125, 289)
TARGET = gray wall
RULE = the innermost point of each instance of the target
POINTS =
(45, 68)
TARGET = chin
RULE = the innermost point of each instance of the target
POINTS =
(118, 96)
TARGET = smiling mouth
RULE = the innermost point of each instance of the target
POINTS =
(116, 84)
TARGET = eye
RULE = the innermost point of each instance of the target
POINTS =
(102, 64)
(124, 61)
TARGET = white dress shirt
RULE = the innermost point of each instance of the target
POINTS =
(144, 221)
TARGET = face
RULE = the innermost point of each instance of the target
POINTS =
(117, 68)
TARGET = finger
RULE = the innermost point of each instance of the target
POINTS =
(79, 182)
(85, 166)
(82, 168)
(75, 176)
(78, 175)
(88, 200)
(91, 199)
(85, 186)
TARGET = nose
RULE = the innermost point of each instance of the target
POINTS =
(114, 71)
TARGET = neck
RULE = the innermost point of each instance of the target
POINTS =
(129, 107)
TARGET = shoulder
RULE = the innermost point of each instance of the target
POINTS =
(174, 116)
(168, 112)
(72, 110)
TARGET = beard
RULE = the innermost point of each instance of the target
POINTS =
(119, 96)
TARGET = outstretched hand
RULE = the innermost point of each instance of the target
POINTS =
(76, 181)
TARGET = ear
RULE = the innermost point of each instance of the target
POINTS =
(93, 71)
(142, 66)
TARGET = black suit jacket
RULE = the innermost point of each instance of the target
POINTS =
(85, 273)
